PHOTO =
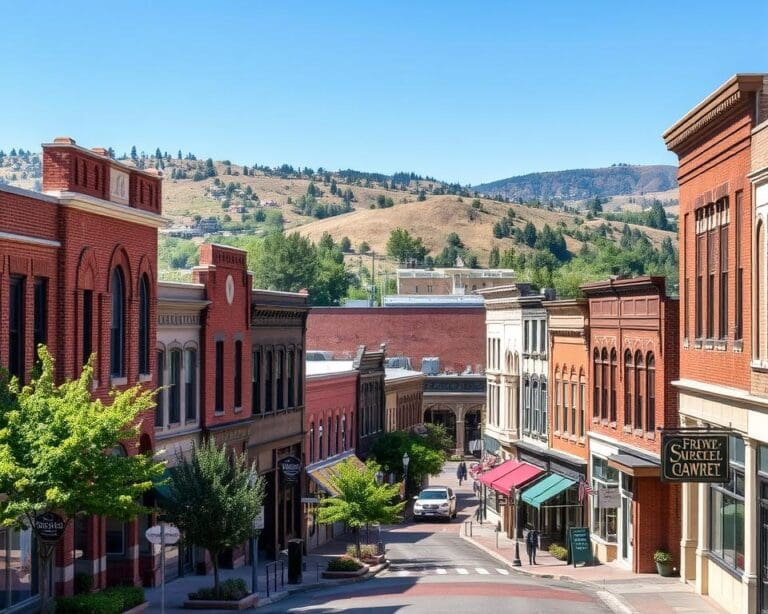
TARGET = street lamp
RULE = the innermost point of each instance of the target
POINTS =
(517, 562)
(406, 460)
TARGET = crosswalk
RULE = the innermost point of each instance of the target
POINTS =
(416, 570)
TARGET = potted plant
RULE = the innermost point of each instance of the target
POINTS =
(663, 561)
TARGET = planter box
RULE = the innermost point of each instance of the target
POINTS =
(373, 560)
(138, 609)
(346, 574)
(212, 604)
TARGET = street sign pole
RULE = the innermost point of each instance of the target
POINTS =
(254, 565)
(162, 568)
(159, 536)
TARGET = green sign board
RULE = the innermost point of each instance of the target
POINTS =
(580, 550)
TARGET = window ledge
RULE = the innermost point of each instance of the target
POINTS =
(709, 344)
(118, 381)
(697, 344)
(238, 410)
(627, 428)
(612, 425)
(651, 435)
(721, 345)
(738, 346)
(686, 342)
(761, 366)
(145, 377)
(637, 432)
(219, 412)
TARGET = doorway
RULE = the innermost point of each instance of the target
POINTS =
(763, 596)
(626, 519)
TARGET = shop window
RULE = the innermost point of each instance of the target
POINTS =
(174, 387)
(18, 573)
(726, 530)
(144, 325)
(117, 325)
(115, 537)
(604, 520)
(16, 345)
(190, 384)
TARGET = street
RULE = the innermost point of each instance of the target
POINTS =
(433, 568)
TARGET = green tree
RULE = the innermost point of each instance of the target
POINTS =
(494, 258)
(345, 244)
(657, 217)
(364, 248)
(425, 458)
(134, 156)
(529, 234)
(403, 247)
(361, 500)
(210, 170)
(56, 445)
(437, 437)
(453, 240)
(213, 498)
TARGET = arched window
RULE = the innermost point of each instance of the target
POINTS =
(535, 405)
(311, 442)
(650, 421)
(628, 377)
(604, 387)
(143, 325)
(344, 432)
(558, 401)
(582, 401)
(762, 296)
(596, 385)
(574, 385)
(543, 407)
(639, 383)
(330, 437)
(174, 386)
(117, 326)
(320, 440)
(613, 386)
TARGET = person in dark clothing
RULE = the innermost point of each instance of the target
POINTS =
(531, 545)
(461, 472)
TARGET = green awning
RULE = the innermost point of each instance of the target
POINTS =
(160, 490)
(545, 489)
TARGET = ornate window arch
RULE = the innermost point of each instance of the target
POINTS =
(650, 378)
(628, 380)
(639, 385)
(117, 324)
(597, 373)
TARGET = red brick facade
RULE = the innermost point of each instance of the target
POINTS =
(331, 404)
(454, 334)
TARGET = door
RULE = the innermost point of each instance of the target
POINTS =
(626, 529)
(764, 547)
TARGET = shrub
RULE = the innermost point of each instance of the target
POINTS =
(662, 556)
(344, 563)
(83, 583)
(367, 551)
(558, 551)
(233, 589)
(109, 601)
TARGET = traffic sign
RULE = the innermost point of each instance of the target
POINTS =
(157, 535)
(258, 522)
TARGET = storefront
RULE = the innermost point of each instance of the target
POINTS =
(502, 484)
(18, 571)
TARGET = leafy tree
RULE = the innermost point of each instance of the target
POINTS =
(361, 500)
(494, 258)
(364, 248)
(453, 240)
(213, 498)
(55, 452)
(596, 206)
(427, 456)
(529, 234)
(345, 244)
(657, 216)
(403, 247)
(333, 187)
(438, 438)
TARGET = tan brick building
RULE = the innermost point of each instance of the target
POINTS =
(451, 281)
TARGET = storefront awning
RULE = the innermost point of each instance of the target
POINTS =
(321, 473)
(546, 489)
(509, 475)
(160, 488)
(635, 466)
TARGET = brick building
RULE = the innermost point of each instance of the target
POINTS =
(633, 343)
(452, 281)
(77, 270)
(404, 392)
(721, 147)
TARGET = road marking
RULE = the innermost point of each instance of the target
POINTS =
(482, 571)
(440, 571)
(403, 573)
(461, 571)
(503, 572)
(614, 604)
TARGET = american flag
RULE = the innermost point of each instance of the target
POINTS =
(584, 490)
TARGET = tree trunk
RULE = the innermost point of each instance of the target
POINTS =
(357, 542)
(215, 561)
(45, 555)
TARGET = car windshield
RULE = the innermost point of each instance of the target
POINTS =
(433, 494)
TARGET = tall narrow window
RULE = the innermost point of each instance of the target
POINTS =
(650, 422)
(596, 384)
(543, 405)
(338, 436)
(543, 337)
(87, 340)
(219, 402)
(290, 367)
(564, 405)
(739, 315)
(117, 325)
(174, 387)
(41, 312)
(300, 376)
(699, 300)
(723, 311)
(534, 341)
(160, 398)
(238, 383)
(344, 432)
(573, 405)
(526, 404)
(144, 325)
(320, 440)
(628, 377)
(311, 442)
(16, 345)
(256, 381)
(582, 400)
(269, 379)
(190, 383)
(557, 400)
(535, 406)
(330, 436)
(638, 390)
(711, 284)
(613, 386)
(605, 383)
(279, 381)
(686, 289)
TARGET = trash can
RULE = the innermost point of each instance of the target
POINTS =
(294, 561)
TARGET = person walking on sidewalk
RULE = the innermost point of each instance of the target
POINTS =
(461, 472)
(532, 544)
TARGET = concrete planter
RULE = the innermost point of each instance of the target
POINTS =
(138, 609)
(373, 560)
(246, 602)
(346, 574)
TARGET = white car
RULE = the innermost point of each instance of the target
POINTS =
(435, 502)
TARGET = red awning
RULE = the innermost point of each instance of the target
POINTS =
(509, 475)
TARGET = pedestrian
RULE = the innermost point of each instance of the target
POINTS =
(459, 473)
(532, 544)
(463, 467)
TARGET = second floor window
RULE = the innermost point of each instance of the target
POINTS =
(117, 325)
(174, 387)
(238, 373)
(160, 397)
(41, 312)
(16, 345)
(219, 403)
(256, 381)
(190, 384)
(144, 325)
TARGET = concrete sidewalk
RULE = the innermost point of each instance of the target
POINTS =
(315, 562)
(619, 588)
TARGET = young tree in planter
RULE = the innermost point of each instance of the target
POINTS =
(361, 499)
(213, 499)
(56, 445)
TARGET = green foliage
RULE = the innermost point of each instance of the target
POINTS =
(367, 551)
(558, 551)
(529, 234)
(213, 499)
(655, 217)
(114, 600)
(83, 583)
(347, 562)
(174, 253)
(233, 589)
(364, 248)
(553, 242)
(438, 438)
(427, 456)
(403, 247)
(345, 245)
(663, 557)
(494, 258)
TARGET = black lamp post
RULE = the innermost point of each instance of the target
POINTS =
(406, 461)
(516, 562)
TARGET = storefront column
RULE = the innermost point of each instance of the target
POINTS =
(514, 406)
(702, 547)
(689, 532)
(751, 527)
(458, 411)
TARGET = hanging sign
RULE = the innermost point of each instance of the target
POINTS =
(258, 522)
(49, 526)
(694, 457)
(290, 467)
(162, 535)
(608, 498)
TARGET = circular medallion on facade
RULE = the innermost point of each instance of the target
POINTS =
(230, 288)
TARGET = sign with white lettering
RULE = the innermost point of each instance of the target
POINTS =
(49, 526)
(694, 457)
(158, 534)
(608, 498)
(290, 466)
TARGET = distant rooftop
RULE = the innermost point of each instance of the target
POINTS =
(328, 367)
(440, 273)
(433, 300)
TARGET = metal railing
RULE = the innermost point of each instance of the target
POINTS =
(274, 570)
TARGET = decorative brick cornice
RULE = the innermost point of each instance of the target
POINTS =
(729, 102)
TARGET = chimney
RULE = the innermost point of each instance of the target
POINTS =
(100, 150)
(64, 140)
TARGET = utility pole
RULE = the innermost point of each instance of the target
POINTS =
(373, 279)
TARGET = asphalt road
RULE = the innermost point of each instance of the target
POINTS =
(433, 570)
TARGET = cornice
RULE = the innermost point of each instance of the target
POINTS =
(97, 206)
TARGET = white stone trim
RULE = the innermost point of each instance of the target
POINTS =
(98, 206)
(12, 189)
(12, 236)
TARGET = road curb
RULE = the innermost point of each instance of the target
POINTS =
(614, 602)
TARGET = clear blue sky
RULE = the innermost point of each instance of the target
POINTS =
(464, 91)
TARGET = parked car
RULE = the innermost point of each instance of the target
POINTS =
(435, 502)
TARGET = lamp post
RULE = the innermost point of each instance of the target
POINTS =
(379, 544)
(516, 562)
(406, 460)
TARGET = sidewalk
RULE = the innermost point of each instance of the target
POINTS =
(621, 589)
(177, 590)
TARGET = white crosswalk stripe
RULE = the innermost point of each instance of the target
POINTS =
(461, 571)
(440, 571)
(403, 573)
(482, 571)
(503, 572)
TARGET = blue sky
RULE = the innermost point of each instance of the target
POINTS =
(464, 91)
